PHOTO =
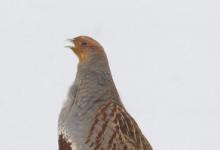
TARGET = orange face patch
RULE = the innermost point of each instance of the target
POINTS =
(81, 55)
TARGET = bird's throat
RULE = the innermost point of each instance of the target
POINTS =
(79, 53)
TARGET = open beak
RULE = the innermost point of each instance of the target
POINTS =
(72, 47)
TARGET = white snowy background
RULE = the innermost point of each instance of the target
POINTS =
(164, 56)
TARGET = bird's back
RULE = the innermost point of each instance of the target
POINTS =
(114, 129)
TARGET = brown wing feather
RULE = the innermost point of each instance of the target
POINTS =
(115, 129)
(63, 143)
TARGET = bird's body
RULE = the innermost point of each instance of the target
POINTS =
(93, 117)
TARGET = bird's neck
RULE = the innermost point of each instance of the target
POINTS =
(93, 85)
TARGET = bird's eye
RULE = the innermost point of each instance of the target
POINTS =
(83, 43)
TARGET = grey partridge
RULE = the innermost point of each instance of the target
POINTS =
(93, 116)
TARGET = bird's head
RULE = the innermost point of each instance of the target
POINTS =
(86, 48)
